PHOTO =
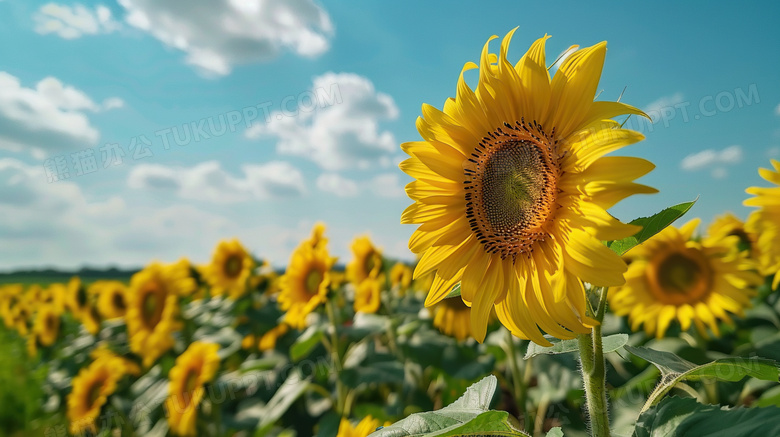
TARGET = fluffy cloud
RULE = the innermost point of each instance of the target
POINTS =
(777, 110)
(71, 22)
(239, 31)
(46, 119)
(666, 104)
(715, 159)
(383, 185)
(209, 182)
(342, 134)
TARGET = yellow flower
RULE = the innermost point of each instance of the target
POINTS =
(91, 389)
(765, 222)
(317, 238)
(122, 365)
(401, 276)
(452, 318)
(269, 339)
(90, 318)
(367, 261)
(304, 285)
(362, 429)
(511, 190)
(9, 297)
(57, 295)
(194, 368)
(675, 277)
(76, 300)
(368, 296)
(728, 225)
(230, 268)
(152, 308)
(248, 342)
(111, 299)
(47, 325)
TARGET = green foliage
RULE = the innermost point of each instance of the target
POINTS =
(610, 344)
(650, 226)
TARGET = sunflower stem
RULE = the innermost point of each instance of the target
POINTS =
(519, 390)
(341, 393)
(594, 371)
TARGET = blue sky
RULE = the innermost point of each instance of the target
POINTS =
(329, 90)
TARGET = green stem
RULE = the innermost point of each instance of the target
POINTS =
(341, 390)
(594, 371)
(518, 391)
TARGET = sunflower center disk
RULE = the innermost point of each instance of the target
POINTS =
(679, 278)
(510, 191)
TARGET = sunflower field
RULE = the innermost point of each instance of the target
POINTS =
(531, 310)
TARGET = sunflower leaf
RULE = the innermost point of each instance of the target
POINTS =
(650, 226)
(675, 369)
(469, 415)
(682, 417)
(610, 344)
(455, 291)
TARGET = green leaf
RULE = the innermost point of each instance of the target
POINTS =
(468, 415)
(650, 226)
(455, 291)
(380, 372)
(555, 432)
(675, 369)
(306, 342)
(681, 417)
(610, 344)
(292, 388)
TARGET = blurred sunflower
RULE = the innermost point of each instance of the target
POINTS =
(90, 318)
(111, 299)
(673, 276)
(728, 225)
(317, 238)
(304, 285)
(9, 297)
(765, 222)
(511, 190)
(269, 339)
(76, 299)
(366, 262)
(91, 389)
(121, 365)
(452, 318)
(46, 328)
(230, 268)
(57, 295)
(368, 296)
(401, 276)
(195, 367)
(365, 427)
(152, 307)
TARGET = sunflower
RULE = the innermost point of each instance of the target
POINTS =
(511, 190)
(765, 222)
(367, 261)
(230, 268)
(91, 389)
(368, 296)
(76, 298)
(9, 297)
(90, 318)
(194, 368)
(674, 276)
(152, 308)
(401, 276)
(365, 427)
(57, 295)
(317, 238)
(46, 327)
(304, 285)
(111, 299)
(451, 317)
(269, 339)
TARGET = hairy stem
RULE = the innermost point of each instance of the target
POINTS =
(594, 371)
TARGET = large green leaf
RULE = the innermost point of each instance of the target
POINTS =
(470, 414)
(682, 417)
(650, 226)
(307, 342)
(610, 344)
(675, 369)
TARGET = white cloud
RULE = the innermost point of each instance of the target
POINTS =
(113, 103)
(209, 182)
(71, 22)
(387, 185)
(773, 152)
(664, 105)
(239, 31)
(717, 159)
(342, 135)
(338, 185)
(48, 118)
(777, 110)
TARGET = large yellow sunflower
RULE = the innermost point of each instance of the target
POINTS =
(452, 318)
(765, 222)
(152, 309)
(230, 268)
(365, 427)
(111, 299)
(195, 367)
(511, 190)
(91, 389)
(368, 296)
(367, 261)
(673, 276)
(305, 284)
